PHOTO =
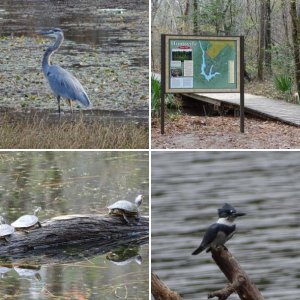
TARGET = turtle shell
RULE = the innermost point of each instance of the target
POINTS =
(25, 221)
(6, 229)
(124, 205)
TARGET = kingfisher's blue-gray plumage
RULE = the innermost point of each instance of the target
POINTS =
(219, 233)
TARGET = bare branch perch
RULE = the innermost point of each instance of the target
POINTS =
(224, 293)
(240, 282)
(160, 291)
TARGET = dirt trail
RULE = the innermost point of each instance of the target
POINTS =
(189, 132)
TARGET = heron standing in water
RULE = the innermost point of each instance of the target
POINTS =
(62, 83)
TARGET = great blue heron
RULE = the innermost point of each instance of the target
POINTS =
(62, 83)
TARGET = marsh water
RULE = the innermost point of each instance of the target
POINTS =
(105, 47)
(187, 189)
(74, 183)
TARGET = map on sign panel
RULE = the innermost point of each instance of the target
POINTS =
(203, 64)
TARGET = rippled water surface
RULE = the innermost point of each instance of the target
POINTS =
(187, 189)
(73, 183)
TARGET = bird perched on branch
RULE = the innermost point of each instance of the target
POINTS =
(219, 233)
(62, 83)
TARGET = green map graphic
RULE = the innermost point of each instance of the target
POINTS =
(214, 62)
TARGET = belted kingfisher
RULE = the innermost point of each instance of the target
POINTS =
(219, 233)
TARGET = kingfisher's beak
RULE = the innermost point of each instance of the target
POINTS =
(239, 214)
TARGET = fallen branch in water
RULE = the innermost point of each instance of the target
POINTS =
(73, 230)
(160, 291)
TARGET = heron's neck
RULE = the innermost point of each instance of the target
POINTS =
(46, 59)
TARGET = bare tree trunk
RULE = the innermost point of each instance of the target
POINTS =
(262, 38)
(268, 54)
(155, 4)
(285, 22)
(186, 13)
(296, 42)
(195, 17)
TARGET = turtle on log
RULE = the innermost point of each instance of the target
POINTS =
(27, 221)
(126, 208)
(5, 229)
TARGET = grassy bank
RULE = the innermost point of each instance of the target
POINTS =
(35, 133)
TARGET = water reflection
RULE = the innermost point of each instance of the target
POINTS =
(187, 189)
(67, 183)
(114, 25)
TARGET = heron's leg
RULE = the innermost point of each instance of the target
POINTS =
(58, 102)
(71, 104)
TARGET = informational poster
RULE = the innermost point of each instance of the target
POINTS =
(202, 64)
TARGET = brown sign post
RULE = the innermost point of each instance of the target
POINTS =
(202, 64)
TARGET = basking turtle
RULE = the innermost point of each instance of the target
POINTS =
(5, 229)
(27, 221)
(126, 209)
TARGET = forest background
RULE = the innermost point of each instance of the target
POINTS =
(271, 30)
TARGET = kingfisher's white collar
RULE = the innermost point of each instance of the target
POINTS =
(225, 221)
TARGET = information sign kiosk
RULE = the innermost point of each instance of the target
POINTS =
(202, 64)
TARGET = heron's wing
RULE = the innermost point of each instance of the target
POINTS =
(64, 84)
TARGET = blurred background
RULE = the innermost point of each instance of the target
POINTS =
(189, 187)
(74, 183)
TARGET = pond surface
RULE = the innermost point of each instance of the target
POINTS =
(105, 47)
(187, 189)
(74, 183)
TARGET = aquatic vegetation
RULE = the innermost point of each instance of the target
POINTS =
(109, 86)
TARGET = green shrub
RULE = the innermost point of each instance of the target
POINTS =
(283, 83)
(170, 100)
(155, 95)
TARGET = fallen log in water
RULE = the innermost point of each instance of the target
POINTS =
(74, 230)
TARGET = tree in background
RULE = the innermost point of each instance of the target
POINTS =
(296, 41)
(262, 41)
(270, 27)
(268, 45)
(264, 58)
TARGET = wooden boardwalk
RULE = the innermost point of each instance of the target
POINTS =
(257, 105)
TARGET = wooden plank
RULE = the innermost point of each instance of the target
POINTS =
(274, 109)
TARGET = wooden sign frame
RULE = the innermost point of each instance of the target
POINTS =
(166, 70)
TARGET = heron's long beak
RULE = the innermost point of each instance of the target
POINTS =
(45, 32)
